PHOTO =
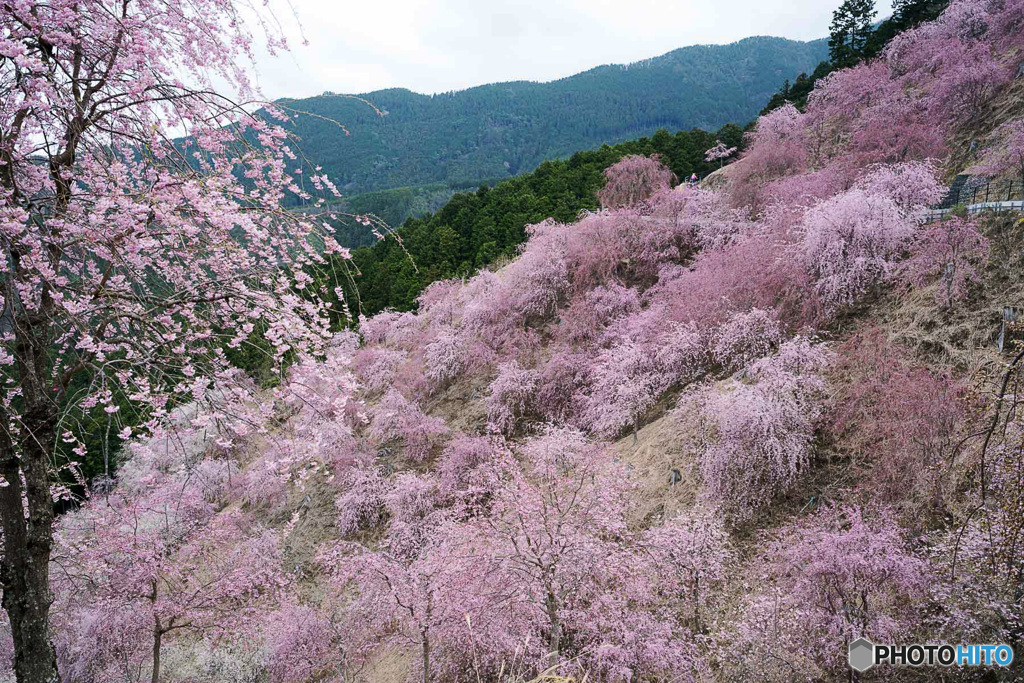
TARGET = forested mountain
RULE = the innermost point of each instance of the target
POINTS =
(474, 228)
(501, 130)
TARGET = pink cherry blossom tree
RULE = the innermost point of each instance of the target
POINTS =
(419, 584)
(692, 554)
(395, 418)
(913, 185)
(461, 468)
(865, 115)
(559, 398)
(758, 271)
(706, 214)
(745, 337)
(852, 243)
(361, 503)
(536, 282)
(570, 569)
(501, 310)
(513, 397)
(406, 596)
(304, 644)
(626, 383)
(719, 152)
(587, 315)
(444, 358)
(377, 367)
(319, 393)
(634, 179)
(759, 431)
(681, 352)
(951, 252)
(835, 577)
(389, 328)
(778, 145)
(150, 567)
(628, 246)
(900, 420)
(132, 260)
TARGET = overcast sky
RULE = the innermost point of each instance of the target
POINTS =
(439, 45)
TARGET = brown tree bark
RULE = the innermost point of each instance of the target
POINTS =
(424, 652)
(555, 637)
(28, 541)
(26, 505)
(158, 636)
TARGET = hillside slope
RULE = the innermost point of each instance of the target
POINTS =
(694, 435)
(503, 129)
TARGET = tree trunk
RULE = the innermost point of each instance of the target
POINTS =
(158, 636)
(425, 652)
(696, 604)
(555, 639)
(636, 429)
(26, 506)
(28, 540)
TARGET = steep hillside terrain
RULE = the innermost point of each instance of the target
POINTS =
(700, 434)
(500, 130)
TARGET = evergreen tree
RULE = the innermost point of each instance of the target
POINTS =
(910, 13)
(851, 31)
(906, 14)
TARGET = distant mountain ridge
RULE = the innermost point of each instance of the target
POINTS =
(499, 130)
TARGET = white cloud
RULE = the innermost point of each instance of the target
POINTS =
(435, 46)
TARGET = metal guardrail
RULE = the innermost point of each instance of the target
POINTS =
(969, 191)
(979, 195)
(973, 209)
(1006, 191)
